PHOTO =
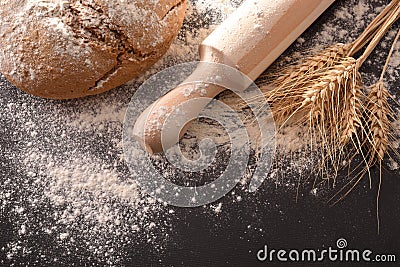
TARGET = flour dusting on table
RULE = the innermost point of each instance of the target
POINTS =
(66, 180)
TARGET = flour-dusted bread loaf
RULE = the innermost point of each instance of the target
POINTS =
(63, 49)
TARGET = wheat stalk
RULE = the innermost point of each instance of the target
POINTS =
(377, 131)
(324, 93)
(292, 82)
(379, 123)
(371, 29)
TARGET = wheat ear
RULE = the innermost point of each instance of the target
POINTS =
(377, 131)
(379, 112)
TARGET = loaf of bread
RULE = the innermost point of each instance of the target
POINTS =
(62, 49)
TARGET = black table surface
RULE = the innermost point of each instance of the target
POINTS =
(271, 216)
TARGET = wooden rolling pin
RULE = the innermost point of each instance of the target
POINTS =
(250, 40)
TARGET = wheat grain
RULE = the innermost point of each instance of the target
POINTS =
(378, 111)
(323, 59)
(286, 96)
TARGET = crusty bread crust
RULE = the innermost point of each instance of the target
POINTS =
(68, 49)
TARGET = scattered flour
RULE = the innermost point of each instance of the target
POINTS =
(217, 208)
(66, 181)
(65, 178)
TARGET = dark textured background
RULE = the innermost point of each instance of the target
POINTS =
(271, 216)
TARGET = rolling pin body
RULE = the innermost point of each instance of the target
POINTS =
(250, 40)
